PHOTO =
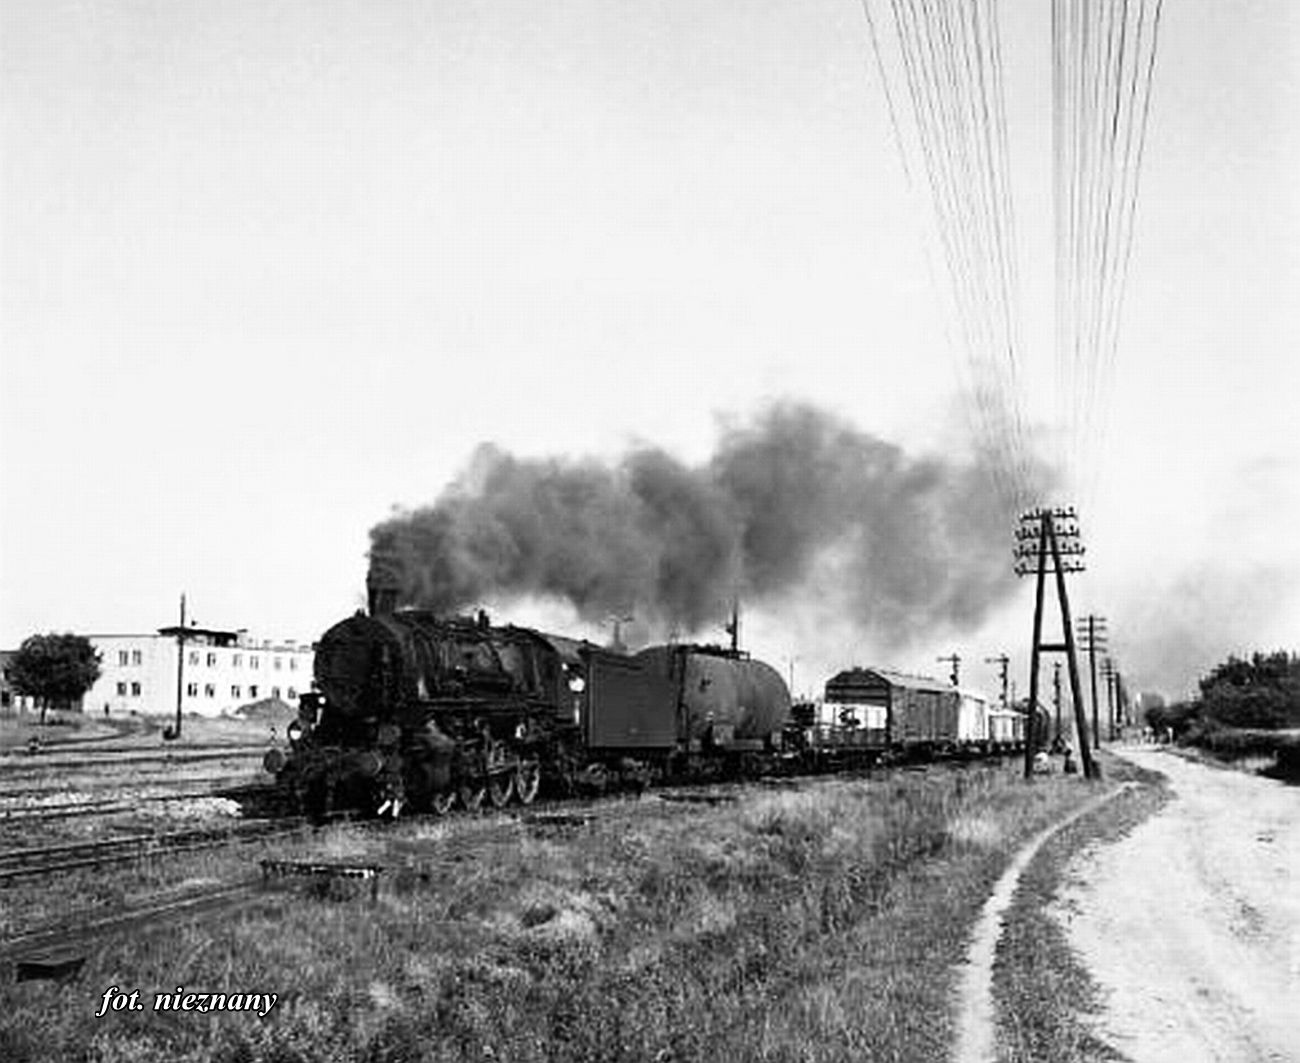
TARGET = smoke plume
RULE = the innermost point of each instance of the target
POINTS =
(907, 542)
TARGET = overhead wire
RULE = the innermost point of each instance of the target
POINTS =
(947, 56)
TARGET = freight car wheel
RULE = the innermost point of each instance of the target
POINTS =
(500, 787)
(471, 797)
(528, 779)
(442, 801)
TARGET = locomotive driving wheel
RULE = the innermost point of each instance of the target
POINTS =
(471, 795)
(528, 779)
(500, 787)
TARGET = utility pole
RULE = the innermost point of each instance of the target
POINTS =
(1092, 633)
(955, 661)
(180, 667)
(1048, 542)
(1056, 696)
(1110, 675)
(1004, 664)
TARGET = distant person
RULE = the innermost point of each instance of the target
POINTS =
(1070, 767)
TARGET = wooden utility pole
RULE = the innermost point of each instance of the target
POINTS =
(180, 668)
(1092, 632)
(1048, 542)
(954, 660)
(1056, 697)
(1110, 675)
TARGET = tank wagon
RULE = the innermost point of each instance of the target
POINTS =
(412, 709)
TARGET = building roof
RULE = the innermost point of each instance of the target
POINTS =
(902, 680)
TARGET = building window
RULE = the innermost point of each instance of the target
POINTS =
(293, 694)
(121, 690)
(123, 658)
(275, 692)
(253, 662)
(252, 691)
(137, 657)
(209, 690)
(135, 690)
(234, 692)
(293, 664)
(212, 660)
(278, 663)
(192, 690)
(194, 656)
(237, 660)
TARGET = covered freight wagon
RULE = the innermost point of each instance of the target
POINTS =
(910, 714)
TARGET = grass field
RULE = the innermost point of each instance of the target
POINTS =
(819, 920)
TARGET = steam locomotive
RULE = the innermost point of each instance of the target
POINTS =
(413, 710)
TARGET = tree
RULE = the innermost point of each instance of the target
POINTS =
(54, 669)
(1262, 692)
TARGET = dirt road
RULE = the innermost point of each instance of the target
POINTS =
(1191, 924)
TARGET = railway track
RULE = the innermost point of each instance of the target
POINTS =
(66, 942)
(58, 788)
(30, 862)
(107, 806)
(35, 861)
(40, 762)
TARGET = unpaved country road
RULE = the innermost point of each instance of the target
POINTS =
(1191, 924)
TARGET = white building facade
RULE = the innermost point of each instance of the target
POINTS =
(215, 672)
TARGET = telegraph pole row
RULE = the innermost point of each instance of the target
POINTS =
(954, 660)
(1111, 675)
(1048, 543)
(1092, 634)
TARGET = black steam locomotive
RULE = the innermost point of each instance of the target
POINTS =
(415, 710)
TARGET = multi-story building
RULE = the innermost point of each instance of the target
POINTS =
(10, 699)
(216, 671)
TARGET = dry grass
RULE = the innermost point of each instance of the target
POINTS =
(819, 923)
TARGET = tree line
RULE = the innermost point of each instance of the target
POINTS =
(1258, 693)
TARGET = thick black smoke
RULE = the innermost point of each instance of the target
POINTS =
(909, 541)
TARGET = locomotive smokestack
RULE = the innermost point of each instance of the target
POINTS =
(381, 594)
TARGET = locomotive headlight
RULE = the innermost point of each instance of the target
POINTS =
(273, 762)
(577, 684)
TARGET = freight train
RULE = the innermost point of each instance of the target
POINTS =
(413, 710)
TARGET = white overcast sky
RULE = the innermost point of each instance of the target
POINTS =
(268, 269)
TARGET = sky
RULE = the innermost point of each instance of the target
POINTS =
(270, 270)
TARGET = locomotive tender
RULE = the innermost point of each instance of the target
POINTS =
(415, 710)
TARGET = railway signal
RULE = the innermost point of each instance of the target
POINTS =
(954, 660)
(1047, 542)
(1004, 664)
